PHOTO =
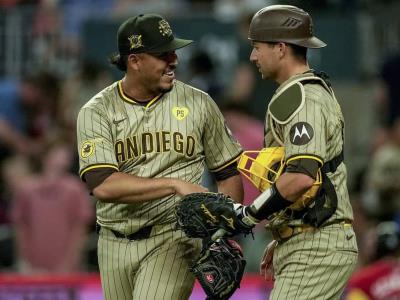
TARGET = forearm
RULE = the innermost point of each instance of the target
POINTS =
(233, 187)
(126, 188)
(292, 185)
(286, 190)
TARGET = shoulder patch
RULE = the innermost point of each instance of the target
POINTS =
(301, 133)
(87, 149)
(287, 102)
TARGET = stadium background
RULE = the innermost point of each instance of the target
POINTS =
(64, 45)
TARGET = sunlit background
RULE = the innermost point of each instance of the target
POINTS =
(53, 58)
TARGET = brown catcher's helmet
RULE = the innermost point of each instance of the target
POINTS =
(284, 23)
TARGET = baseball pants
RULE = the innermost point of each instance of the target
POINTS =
(156, 268)
(315, 265)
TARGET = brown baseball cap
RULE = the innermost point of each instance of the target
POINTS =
(149, 33)
(284, 23)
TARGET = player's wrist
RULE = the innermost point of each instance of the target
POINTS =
(175, 185)
(242, 213)
(268, 203)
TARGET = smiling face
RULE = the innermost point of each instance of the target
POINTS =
(266, 57)
(156, 72)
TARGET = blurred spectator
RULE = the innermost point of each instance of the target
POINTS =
(381, 279)
(76, 89)
(51, 213)
(46, 27)
(14, 171)
(13, 3)
(18, 99)
(28, 112)
(389, 93)
(249, 132)
(126, 8)
(232, 9)
(361, 225)
(77, 12)
(202, 74)
(247, 84)
(383, 178)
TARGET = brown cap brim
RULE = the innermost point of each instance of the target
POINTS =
(172, 45)
(312, 42)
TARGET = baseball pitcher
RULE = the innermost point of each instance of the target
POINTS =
(143, 143)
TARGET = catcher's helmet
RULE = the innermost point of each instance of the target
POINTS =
(388, 239)
(284, 23)
(264, 167)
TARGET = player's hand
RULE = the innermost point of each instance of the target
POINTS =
(183, 188)
(266, 265)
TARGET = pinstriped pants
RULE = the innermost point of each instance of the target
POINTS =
(154, 268)
(315, 265)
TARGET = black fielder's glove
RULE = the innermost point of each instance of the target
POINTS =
(201, 215)
(220, 269)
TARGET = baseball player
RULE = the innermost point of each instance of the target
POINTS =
(143, 143)
(314, 249)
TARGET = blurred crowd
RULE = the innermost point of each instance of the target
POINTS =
(46, 214)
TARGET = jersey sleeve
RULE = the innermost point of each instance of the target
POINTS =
(220, 147)
(95, 143)
(305, 133)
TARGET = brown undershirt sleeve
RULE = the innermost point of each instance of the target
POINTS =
(95, 177)
(306, 166)
(228, 171)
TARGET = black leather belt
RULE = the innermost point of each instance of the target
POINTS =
(141, 234)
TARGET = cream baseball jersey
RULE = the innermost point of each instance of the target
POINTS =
(175, 135)
(314, 130)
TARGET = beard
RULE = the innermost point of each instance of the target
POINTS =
(166, 88)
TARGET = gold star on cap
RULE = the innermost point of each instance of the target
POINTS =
(164, 28)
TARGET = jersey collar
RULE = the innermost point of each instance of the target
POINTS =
(131, 100)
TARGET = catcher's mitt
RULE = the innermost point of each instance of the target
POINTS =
(220, 269)
(201, 215)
